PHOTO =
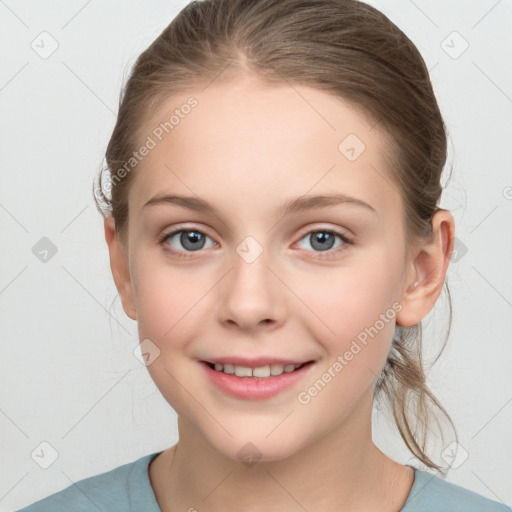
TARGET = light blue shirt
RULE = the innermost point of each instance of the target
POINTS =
(128, 488)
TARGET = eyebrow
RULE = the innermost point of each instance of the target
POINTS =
(294, 205)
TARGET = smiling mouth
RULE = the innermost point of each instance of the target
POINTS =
(266, 371)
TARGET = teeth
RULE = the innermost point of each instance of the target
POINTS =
(276, 369)
(243, 371)
(261, 372)
(228, 368)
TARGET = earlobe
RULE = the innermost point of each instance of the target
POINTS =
(120, 268)
(427, 271)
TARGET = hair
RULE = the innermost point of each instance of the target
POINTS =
(345, 48)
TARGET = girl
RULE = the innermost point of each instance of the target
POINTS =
(273, 227)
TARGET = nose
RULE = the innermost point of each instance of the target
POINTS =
(251, 296)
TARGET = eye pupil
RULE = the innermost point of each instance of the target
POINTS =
(189, 238)
(324, 238)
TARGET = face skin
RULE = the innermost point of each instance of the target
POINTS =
(246, 149)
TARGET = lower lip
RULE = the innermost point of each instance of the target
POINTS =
(254, 388)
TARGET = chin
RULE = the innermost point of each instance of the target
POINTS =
(251, 446)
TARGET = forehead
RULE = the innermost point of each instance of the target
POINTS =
(248, 139)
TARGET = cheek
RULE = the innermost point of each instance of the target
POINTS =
(359, 308)
(169, 308)
(168, 300)
(348, 300)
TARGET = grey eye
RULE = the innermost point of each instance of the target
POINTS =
(190, 239)
(322, 240)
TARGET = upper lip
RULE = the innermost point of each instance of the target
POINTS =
(256, 362)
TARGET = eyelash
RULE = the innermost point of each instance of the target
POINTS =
(328, 254)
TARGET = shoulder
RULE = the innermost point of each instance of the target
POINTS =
(123, 488)
(431, 493)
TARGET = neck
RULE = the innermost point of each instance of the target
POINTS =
(344, 467)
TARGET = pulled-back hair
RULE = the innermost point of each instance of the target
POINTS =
(345, 48)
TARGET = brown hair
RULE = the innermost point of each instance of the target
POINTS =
(343, 47)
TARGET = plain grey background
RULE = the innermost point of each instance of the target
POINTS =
(73, 395)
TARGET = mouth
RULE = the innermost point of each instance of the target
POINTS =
(258, 381)
(265, 371)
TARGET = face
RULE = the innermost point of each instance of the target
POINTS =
(251, 280)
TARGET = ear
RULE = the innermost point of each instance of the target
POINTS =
(120, 268)
(427, 271)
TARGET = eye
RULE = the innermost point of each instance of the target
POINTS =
(323, 241)
(191, 240)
